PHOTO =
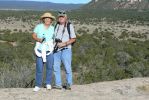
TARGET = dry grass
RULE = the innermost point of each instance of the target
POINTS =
(144, 88)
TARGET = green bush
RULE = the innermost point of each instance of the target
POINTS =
(96, 57)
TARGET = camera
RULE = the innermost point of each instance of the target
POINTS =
(56, 46)
(58, 40)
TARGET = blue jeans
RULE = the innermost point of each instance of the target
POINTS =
(66, 57)
(39, 70)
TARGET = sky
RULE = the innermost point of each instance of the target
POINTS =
(57, 1)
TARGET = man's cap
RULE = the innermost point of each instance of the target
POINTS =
(62, 13)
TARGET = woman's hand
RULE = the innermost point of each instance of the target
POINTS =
(40, 40)
(34, 36)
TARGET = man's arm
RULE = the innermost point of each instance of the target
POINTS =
(72, 35)
(72, 40)
(63, 44)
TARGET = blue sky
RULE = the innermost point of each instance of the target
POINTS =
(63, 1)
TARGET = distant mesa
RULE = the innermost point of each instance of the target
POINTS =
(117, 4)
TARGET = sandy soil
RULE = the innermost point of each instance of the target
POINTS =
(113, 90)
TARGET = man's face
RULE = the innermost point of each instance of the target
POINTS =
(62, 19)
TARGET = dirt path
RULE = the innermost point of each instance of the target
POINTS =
(114, 90)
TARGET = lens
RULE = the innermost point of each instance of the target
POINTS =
(62, 12)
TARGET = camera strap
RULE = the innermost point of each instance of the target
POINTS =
(63, 31)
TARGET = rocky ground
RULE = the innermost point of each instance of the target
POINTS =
(128, 89)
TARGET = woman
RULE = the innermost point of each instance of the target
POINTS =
(43, 35)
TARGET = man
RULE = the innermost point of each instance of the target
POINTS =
(64, 52)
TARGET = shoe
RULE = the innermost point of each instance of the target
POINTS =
(57, 87)
(36, 89)
(48, 87)
(68, 87)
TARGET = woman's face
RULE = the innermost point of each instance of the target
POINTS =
(62, 19)
(47, 21)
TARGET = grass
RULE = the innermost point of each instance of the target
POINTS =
(144, 88)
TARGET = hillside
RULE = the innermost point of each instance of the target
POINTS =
(116, 4)
(128, 89)
(32, 5)
(106, 49)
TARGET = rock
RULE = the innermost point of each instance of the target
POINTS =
(127, 89)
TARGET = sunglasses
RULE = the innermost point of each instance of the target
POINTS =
(62, 12)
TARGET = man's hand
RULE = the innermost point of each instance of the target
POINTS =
(62, 44)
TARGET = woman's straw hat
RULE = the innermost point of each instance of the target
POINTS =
(47, 15)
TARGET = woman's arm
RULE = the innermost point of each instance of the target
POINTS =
(34, 36)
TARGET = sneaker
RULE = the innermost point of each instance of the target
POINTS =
(48, 87)
(36, 89)
(57, 87)
(68, 87)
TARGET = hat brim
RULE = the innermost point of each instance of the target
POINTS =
(52, 17)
